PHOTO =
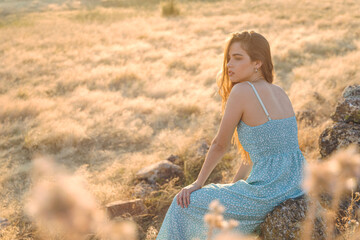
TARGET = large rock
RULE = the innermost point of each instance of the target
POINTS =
(159, 172)
(338, 135)
(346, 127)
(348, 108)
(352, 91)
(285, 221)
(344, 131)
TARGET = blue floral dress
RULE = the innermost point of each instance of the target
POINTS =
(276, 175)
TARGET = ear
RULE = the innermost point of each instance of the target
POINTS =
(258, 63)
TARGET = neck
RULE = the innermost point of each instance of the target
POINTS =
(257, 79)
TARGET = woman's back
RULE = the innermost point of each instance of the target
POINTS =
(275, 100)
(271, 134)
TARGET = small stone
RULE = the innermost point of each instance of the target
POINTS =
(3, 222)
(142, 189)
(172, 158)
(203, 148)
(119, 208)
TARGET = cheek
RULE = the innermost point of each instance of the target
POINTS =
(241, 67)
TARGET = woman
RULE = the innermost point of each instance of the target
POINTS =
(266, 136)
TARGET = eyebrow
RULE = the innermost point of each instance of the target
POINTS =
(234, 54)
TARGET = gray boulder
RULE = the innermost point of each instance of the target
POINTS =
(346, 127)
(338, 135)
(159, 172)
(285, 221)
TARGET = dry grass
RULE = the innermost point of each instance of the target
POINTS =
(110, 88)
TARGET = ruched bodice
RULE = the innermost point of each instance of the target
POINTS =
(268, 138)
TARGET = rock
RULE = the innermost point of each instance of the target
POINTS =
(351, 91)
(143, 189)
(120, 208)
(159, 172)
(203, 148)
(173, 158)
(346, 129)
(307, 116)
(285, 221)
(337, 136)
(3, 222)
(319, 99)
(348, 108)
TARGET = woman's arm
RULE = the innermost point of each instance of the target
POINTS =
(222, 141)
(243, 172)
(213, 157)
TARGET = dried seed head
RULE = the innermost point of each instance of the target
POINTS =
(320, 177)
(351, 184)
(349, 161)
(215, 206)
(353, 223)
(209, 219)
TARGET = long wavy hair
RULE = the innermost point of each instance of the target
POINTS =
(258, 48)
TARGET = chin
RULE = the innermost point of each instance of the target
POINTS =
(234, 80)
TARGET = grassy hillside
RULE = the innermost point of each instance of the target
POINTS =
(110, 87)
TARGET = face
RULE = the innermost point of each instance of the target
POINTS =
(240, 67)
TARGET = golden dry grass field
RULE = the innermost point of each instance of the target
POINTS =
(106, 88)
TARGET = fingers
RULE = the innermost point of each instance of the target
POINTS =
(179, 199)
(183, 198)
(188, 199)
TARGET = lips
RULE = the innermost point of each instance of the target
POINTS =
(231, 73)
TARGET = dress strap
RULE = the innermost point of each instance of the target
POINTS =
(257, 95)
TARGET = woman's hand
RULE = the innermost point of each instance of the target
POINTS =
(183, 197)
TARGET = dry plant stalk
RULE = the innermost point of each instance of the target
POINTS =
(352, 226)
(340, 173)
(215, 220)
(60, 206)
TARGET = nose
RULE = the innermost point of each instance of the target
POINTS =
(228, 64)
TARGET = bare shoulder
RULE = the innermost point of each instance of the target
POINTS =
(280, 91)
(277, 87)
(283, 97)
(241, 89)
